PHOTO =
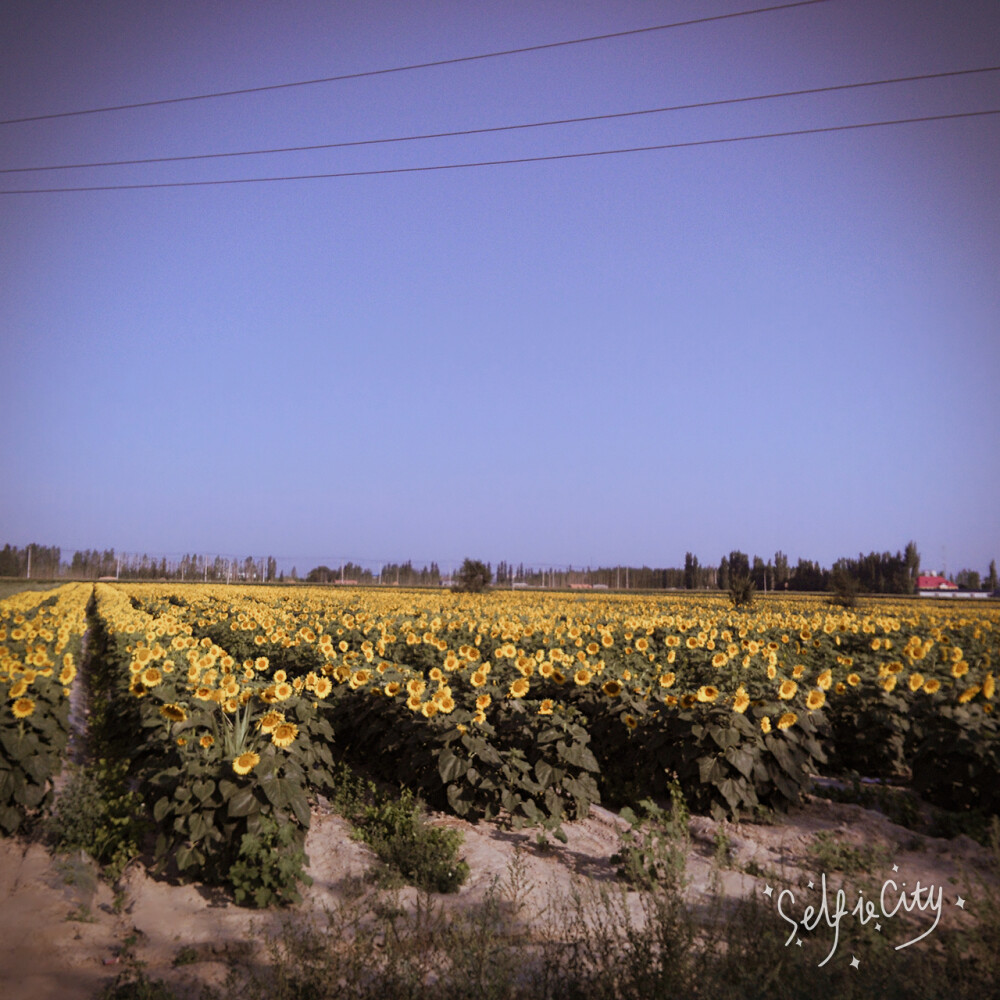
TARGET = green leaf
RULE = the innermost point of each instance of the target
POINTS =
(243, 802)
(451, 767)
(741, 760)
(544, 772)
(203, 790)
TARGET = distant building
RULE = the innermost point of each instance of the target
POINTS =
(935, 584)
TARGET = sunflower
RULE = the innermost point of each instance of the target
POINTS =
(765, 724)
(667, 680)
(916, 681)
(246, 762)
(416, 687)
(393, 688)
(815, 699)
(445, 703)
(967, 695)
(151, 676)
(22, 708)
(787, 690)
(825, 680)
(582, 677)
(324, 686)
(413, 703)
(642, 645)
(630, 720)
(284, 734)
(959, 669)
(889, 684)
(612, 688)
(283, 691)
(707, 693)
(207, 740)
(175, 713)
(428, 709)
(479, 716)
(545, 708)
(688, 701)
(787, 720)
(853, 679)
(593, 649)
(483, 701)
(271, 721)
(519, 688)
(989, 686)
(719, 660)
(741, 701)
(18, 688)
(67, 674)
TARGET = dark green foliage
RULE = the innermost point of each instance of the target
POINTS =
(956, 765)
(845, 588)
(473, 578)
(654, 850)
(99, 814)
(741, 590)
(410, 850)
(269, 866)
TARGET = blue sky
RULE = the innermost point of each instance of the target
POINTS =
(788, 343)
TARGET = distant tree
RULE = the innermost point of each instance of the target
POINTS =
(318, 574)
(739, 564)
(724, 574)
(991, 580)
(691, 568)
(912, 559)
(780, 570)
(845, 588)
(473, 578)
(968, 579)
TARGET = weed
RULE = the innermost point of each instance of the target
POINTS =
(98, 814)
(409, 849)
(185, 956)
(831, 854)
(654, 850)
(269, 866)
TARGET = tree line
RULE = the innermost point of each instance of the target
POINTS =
(874, 573)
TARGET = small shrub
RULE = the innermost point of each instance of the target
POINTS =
(269, 866)
(741, 591)
(654, 850)
(832, 854)
(98, 814)
(409, 849)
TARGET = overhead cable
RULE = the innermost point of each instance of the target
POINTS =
(412, 66)
(505, 162)
(499, 128)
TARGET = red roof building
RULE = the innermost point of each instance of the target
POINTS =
(935, 583)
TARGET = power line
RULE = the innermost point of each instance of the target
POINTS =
(504, 128)
(412, 66)
(506, 162)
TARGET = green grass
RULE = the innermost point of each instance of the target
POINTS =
(10, 587)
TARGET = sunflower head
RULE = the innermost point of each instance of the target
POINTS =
(246, 762)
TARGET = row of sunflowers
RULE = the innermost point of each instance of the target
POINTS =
(525, 703)
(40, 646)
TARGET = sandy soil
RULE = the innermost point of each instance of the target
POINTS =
(61, 931)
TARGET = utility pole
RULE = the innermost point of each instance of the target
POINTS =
(29, 563)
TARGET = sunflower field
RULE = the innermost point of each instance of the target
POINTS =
(40, 644)
(233, 704)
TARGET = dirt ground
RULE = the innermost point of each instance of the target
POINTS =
(61, 929)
